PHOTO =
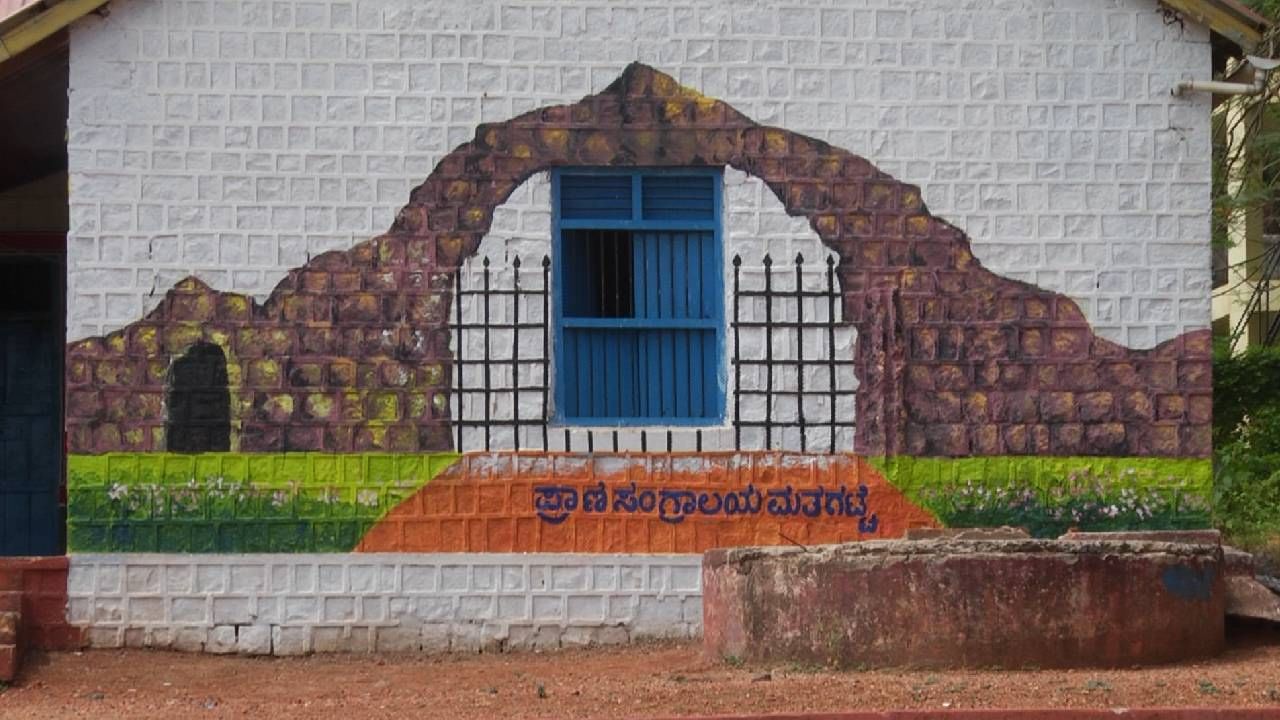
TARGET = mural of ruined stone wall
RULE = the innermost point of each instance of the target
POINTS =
(350, 353)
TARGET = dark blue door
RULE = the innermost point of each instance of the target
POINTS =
(30, 404)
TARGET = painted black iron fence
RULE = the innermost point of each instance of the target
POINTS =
(791, 372)
(480, 318)
(785, 369)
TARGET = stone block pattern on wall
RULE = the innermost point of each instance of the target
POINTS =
(350, 352)
(294, 604)
(234, 140)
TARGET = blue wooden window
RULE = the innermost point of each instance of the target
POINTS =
(639, 304)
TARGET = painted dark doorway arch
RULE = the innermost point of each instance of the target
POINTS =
(199, 418)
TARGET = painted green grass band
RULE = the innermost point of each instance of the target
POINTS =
(910, 474)
(1049, 495)
(267, 469)
(233, 502)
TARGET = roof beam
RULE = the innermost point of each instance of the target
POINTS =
(53, 19)
(1240, 25)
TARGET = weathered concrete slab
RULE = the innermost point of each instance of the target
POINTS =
(1192, 537)
(994, 533)
(957, 603)
(1238, 563)
(1248, 598)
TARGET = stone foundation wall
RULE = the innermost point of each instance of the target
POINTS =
(293, 604)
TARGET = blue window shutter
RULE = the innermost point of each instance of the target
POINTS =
(639, 316)
(677, 197)
(595, 196)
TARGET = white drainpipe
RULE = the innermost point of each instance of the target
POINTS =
(1262, 68)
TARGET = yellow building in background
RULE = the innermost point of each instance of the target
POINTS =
(1246, 258)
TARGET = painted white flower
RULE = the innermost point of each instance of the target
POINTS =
(118, 491)
(367, 497)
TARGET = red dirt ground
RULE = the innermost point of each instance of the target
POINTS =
(638, 681)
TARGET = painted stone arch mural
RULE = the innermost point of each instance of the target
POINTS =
(802, 397)
(341, 382)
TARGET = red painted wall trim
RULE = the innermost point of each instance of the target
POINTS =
(42, 582)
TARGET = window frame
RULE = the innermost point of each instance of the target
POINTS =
(714, 225)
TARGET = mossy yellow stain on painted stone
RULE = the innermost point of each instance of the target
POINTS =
(433, 374)
(458, 190)
(378, 436)
(673, 110)
(918, 225)
(522, 151)
(860, 226)
(826, 224)
(598, 147)
(157, 371)
(319, 406)
(880, 195)
(264, 372)
(775, 142)
(705, 104)
(279, 407)
(219, 337)
(148, 340)
(179, 338)
(645, 139)
(417, 405)
(384, 406)
(235, 378)
(107, 372)
(352, 408)
(830, 166)
(663, 84)
(554, 139)
(203, 307)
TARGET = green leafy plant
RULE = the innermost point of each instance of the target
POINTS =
(1246, 488)
(1245, 386)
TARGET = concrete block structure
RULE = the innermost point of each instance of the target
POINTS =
(433, 325)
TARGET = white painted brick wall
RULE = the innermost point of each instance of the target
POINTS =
(235, 139)
(292, 604)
